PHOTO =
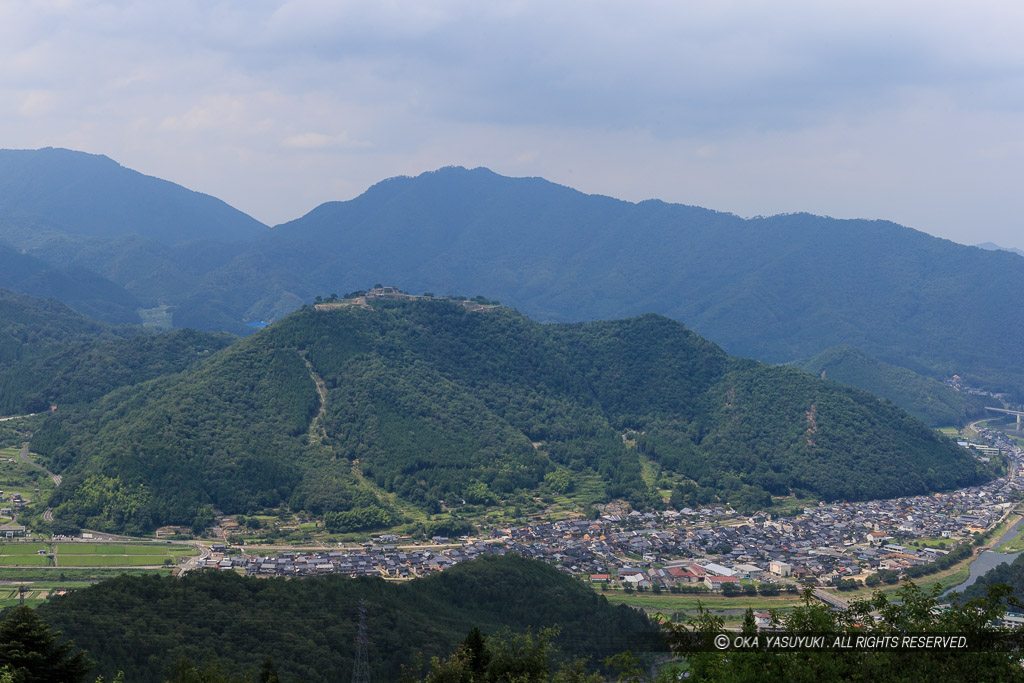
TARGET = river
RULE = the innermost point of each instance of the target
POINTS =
(989, 559)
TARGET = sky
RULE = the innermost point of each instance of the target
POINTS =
(910, 111)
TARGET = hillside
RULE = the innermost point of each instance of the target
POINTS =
(49, 354)
(429, 402)
(927, 399)
(143, 625)
(76, 286)
(108, 241)
(776, 289)
(63, 191)
(105, 239)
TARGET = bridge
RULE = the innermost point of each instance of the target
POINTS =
(1018, 413)
(831, 600)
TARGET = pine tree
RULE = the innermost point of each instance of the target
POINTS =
(30, 649)
(749, 624)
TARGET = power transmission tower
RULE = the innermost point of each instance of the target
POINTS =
(361, 672)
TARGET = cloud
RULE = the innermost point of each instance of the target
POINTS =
(321, 141)
(907, 110)
(36, 103)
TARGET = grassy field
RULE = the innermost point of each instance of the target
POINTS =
(73, 565)
(21, 548)
(942, 543)
(676, 602)
(110, 560)
(1014, 545)
(89, 575)
(37, 592)
(25, 561)
(118, 555)
(123, 549)
(789, 504)
(91, 554)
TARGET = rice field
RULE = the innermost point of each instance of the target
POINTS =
(118, 555)
(91, 554)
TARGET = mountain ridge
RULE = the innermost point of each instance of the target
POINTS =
(433, 402)
(94, 196)
(778, 289)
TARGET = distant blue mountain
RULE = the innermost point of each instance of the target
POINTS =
(992, 246)
(90, 195)
(776, 289)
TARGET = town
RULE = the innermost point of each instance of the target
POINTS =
(709, 547)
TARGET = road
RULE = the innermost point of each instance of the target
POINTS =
(193, 562)
(831, 600)
(16, 417)
(23, 455)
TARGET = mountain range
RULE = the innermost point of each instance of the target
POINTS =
(778, 289)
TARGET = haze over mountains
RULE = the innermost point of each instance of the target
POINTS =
(777, 289)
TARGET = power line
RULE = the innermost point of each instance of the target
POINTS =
(361, 671)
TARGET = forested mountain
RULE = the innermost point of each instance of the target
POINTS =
(429, 401)
(107, 240)
(87, 195)
(776, 289)
(50, 354)
(143, 625)
(927, 399)
(77, 286)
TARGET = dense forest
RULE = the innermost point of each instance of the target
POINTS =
(441, 406)
(778, 289)
(52, 355)
(143, 625)
(460, 625)
(923, 397)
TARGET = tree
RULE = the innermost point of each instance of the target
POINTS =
(749, 623)
(912, 611)
(32, 651)
(268, 672)
(477, 655)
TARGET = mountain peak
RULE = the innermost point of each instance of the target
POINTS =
(77, 193)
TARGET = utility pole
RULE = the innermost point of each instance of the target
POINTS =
(361, 671)
(21, 595)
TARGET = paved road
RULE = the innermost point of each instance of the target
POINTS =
(831, 600)
(23, 454)
(15, 417)
(193, 562)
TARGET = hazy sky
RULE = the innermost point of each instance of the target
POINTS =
(909, 110)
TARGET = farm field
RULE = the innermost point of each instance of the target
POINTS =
(91, 554)
(118, 555)
(669, 602)
(66, 566)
